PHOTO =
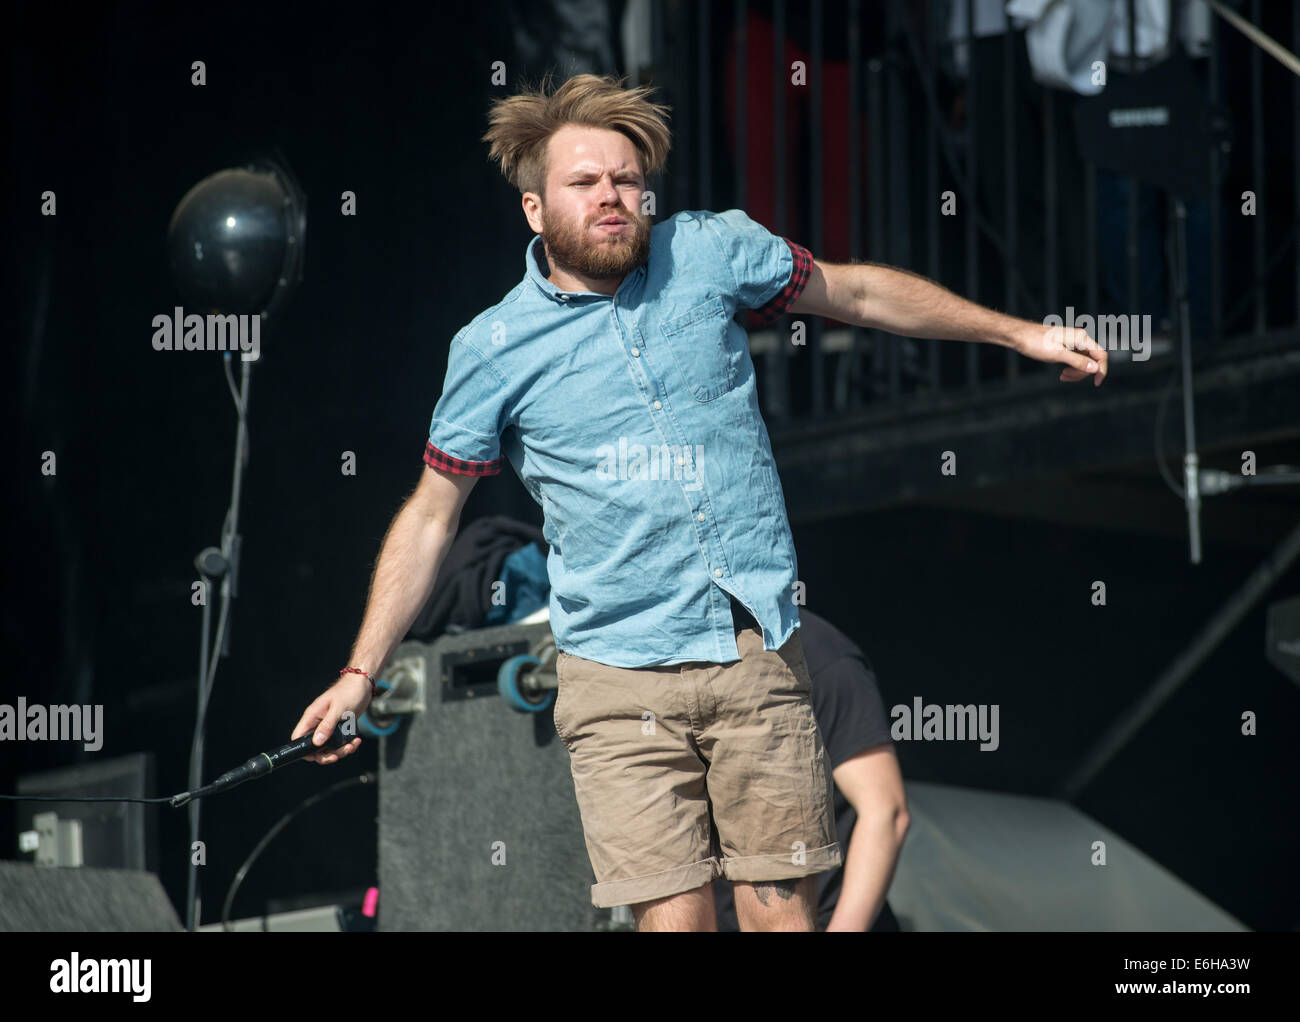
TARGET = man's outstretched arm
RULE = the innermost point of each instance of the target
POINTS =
(412, 553)
(884, 298)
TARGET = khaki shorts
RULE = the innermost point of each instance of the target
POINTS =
(695, 771)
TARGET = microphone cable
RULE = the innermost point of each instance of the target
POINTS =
(257, 766)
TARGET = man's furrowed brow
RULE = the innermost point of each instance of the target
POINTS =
(581, 172)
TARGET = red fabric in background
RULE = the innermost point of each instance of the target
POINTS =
(759, 163)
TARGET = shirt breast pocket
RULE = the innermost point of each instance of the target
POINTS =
(699, 345)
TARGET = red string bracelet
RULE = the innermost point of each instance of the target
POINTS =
(374, 689)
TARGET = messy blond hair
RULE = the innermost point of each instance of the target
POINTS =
(522, 125)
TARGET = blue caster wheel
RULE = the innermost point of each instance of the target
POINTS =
(367, 726)
(508, 686)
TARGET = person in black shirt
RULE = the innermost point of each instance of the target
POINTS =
(870, 805)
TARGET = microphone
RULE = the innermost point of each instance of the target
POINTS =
(263, 763)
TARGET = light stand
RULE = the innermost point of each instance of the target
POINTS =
(236, 242)
(223, 564)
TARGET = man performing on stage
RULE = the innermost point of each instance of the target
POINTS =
(615, 382)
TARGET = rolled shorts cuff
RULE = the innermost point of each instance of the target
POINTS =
(765, 868)
(635, 890)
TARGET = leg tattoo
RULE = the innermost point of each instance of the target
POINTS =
(783, 889)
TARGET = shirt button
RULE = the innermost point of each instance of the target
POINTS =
(717, 572)
(636, 352)
(701, 516)
(657, 406)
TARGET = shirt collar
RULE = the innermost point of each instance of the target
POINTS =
(535, 256)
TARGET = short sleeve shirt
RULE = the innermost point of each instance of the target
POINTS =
(632, 419)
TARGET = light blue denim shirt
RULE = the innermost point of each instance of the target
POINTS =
(633, 421)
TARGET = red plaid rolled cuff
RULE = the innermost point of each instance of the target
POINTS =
(777, 306)
(435, 458)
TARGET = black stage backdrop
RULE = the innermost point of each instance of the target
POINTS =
(951, 606)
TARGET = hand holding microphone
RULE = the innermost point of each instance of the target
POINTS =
(350, 692)
(334, 739)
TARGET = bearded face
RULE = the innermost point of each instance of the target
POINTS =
(591, 249)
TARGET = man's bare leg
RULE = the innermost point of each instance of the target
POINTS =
(777, 904)
(691, 910)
